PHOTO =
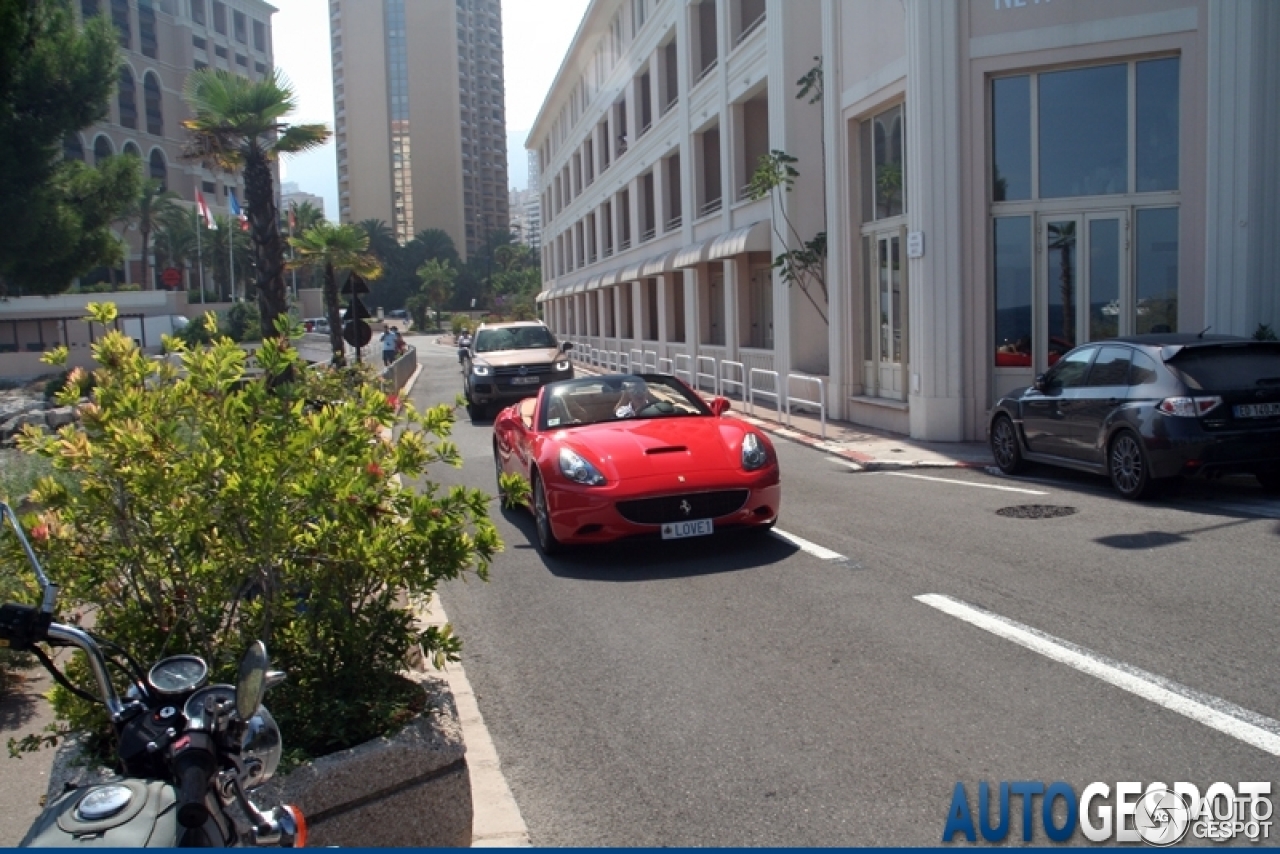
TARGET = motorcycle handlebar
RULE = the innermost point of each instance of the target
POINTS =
(193, 766)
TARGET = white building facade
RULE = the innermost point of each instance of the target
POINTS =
(996, 180)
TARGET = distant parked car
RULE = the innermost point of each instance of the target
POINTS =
(1149, 409)
(317, 324)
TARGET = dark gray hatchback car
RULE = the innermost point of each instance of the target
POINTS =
(1148, 410)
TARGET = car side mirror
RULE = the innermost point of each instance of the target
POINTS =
(1039, 384)
(719, 406)
(566, 346)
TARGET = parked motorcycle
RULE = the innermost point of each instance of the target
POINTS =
(190, 751)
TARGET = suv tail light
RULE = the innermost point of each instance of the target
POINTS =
(1188, 407)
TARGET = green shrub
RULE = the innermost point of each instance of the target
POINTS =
(244, 322)
(459, 323)
(1264, 332)
(212, 506)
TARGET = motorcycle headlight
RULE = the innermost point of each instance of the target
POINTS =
(480, 369)
(260, 750)
(562, 365)
(754, 453)
(579, 470)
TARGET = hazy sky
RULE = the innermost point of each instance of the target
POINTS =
(536, 34)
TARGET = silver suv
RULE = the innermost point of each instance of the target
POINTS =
(507, 362)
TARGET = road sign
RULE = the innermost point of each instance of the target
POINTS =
(172, 277)
(357, 309)
(355, 285)
(357, 333)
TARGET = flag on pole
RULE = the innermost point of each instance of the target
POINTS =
(203, 207)
(293, 219)
(237, 212)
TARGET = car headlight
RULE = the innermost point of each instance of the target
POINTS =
(579, 470)
(480, 369)
(754, 453)
(562, 365)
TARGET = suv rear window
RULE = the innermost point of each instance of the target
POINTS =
(1246, 366)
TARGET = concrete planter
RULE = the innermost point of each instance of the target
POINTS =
(412, 789)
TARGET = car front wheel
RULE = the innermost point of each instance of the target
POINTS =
(1004, 446)
(547, 542)
(1129, 467)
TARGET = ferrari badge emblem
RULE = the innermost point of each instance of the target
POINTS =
(685, 507)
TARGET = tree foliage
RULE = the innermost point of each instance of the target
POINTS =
(238, 126)
(805, 265)
(332, 247)
(211, 505)
(55, 79)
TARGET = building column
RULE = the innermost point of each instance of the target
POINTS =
(633, 202)
(935, 381)
(734, 277)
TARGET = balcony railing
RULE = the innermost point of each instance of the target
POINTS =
(648, 235)
(710, 207)
(749, 29)
(624, 245)
(706, 71)
(675, 222)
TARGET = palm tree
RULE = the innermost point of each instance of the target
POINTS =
(146, 212)
(307, 216)
(436, 243)
(175, 237)
(330, 247)
(237, 125)
(382, 240)
(437, 281)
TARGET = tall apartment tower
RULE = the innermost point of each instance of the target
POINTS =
(419, 116)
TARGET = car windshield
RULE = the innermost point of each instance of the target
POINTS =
(616, 397)
(516, 338)
(1228, 368)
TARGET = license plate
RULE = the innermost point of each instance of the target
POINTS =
(1257, 410)
(524, 380)
(690, 528)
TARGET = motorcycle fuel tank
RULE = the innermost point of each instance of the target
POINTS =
(119, 814)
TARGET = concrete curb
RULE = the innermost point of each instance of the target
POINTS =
(496, 822)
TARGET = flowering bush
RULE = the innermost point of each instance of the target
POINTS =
(213, 504)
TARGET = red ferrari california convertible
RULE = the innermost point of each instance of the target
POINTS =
(624, 455)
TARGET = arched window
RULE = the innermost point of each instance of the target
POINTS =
(120, 17)
(159, 169)
(131, 148)
(127, 99)
(151, 96)
(72, 148)
(89, 8)
(101, 149)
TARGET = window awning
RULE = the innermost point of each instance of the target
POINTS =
(663, 263)
(631, 272)
(751, 238)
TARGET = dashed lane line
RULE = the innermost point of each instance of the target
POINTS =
(811, 548)
(1228, 718)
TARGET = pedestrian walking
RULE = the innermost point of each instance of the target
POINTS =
(402, 346)
(388, 340)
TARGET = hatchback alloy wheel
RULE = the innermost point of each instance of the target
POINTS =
(1004, 446)
(1127, 465)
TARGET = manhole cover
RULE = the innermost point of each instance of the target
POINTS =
(1035, 511)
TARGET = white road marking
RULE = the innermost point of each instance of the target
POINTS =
(961, 482)
(806, 546)
(1238, 722)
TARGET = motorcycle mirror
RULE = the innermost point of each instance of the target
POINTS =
(251, 685)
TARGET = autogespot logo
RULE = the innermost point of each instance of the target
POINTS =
(1159, 815)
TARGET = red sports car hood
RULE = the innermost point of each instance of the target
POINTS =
(643, 447)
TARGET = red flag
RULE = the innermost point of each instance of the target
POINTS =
(203, 207)
(293, 219)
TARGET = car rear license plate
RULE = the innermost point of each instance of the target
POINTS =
(524, 380)
(690, 528)
(1257, 410)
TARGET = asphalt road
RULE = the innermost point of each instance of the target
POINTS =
(830, 684)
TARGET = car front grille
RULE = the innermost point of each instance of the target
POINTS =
(523, 370)
(677, 508)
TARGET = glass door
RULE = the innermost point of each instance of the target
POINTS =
(884, 314)
(1083, 282)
